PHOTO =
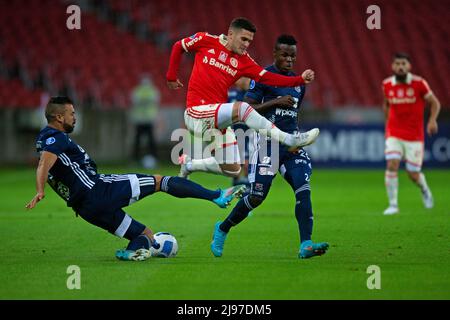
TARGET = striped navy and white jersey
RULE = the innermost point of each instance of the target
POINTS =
(74, 172)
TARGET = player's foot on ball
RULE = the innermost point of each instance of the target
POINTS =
(304, 139)
(308, 249)
(391, 210)
(183, 160)
(427, 198)
(227, 195)
(218, 240)
(131, 255)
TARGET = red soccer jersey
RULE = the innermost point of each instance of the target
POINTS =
(216, 69)
(406, 107)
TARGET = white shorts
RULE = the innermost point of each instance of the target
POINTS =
(410, 151)
(203, 122)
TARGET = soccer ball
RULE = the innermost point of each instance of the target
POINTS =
(168, 245)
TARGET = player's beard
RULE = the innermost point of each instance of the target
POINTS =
(401, 77)
(68, 128)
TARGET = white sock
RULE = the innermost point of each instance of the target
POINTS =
(391, 182)
(205, 165)
(422, 183)
(257, 122)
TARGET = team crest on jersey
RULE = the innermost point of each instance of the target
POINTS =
(410, 92)
(391, 93)
(223, 56)
(298, 89)
(50, 141)
(252, 84)
(234, 62)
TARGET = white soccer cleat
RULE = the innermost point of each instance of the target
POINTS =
(391, 210)
(305, 138)
(183, 160)
(427, 198)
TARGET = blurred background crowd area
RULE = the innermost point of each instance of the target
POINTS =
(120, 41)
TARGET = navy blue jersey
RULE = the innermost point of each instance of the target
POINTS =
(285, 118)
(74, 172)
(236, 94)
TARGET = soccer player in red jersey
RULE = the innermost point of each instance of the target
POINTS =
(405, 96)
(219, 62)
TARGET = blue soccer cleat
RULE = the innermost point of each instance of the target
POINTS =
(218, 240)
(227, 195)
(131, 255)
(308, 249)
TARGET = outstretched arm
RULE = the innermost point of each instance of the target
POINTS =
(435, 107)
(46, 161)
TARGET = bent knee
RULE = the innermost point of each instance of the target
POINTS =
(158, 179)
(231, 170)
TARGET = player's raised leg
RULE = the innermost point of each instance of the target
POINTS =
(243, 112)
(183, 188)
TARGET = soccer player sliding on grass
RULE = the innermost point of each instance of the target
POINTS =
(99, 198)
(281, 106)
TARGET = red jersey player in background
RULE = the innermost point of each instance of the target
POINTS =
(405, 96)
(219, 62)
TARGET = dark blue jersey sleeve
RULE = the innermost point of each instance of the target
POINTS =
(57, 143)
(255, 91)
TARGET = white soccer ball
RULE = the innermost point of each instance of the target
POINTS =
(168, 245)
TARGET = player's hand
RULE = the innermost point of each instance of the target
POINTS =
(174, 84)
(38, 197)
(286, 101)
(432, 127)
(308, 76)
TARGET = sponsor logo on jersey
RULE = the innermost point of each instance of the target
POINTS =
(402, 100)
(217, 64)
(252, 84)
(223, 56)
(212, 51)
(283, 112)
(50, 141)
(194, 40)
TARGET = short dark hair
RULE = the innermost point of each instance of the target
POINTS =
(243, 23)
(285, 39)
(401, 55)
(56, 106)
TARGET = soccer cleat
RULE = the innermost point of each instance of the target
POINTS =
(183, 160)
(427, 198)
(304, 139)
(391, 210)
(218, 240)
(130, 255)
(229, 194)
(308, 249)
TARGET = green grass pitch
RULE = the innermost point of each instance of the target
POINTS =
(260, 260)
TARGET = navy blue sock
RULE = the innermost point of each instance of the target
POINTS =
(304, 214)
(239, 213)
(140, 242)
(183, 188)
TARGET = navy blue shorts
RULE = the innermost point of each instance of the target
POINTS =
(295, 167)
(103, 205)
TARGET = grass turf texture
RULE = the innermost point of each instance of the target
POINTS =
(260, 257)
